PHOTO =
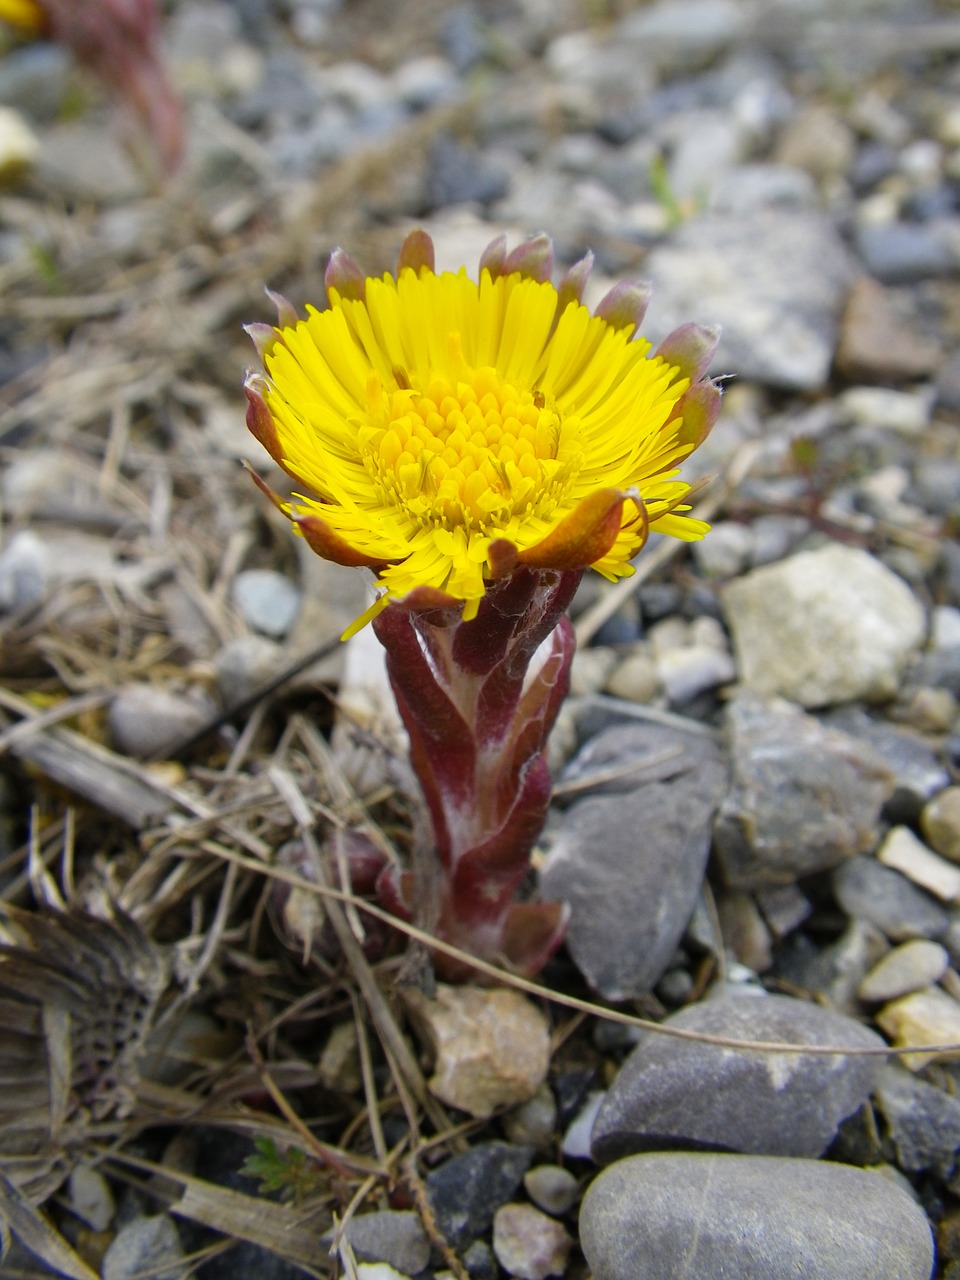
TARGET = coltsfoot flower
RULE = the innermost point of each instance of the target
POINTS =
(448, 432)
(478, 445)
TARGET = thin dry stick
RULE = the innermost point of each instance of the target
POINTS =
(717, 493)
(574, 1002)
(369, 1084)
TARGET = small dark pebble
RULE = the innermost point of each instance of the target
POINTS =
(467, 1190)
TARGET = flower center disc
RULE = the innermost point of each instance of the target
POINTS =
(471, 452)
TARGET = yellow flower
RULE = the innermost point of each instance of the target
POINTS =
(451, 431)
(24, 14)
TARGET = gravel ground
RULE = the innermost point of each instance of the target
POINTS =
(757, 816)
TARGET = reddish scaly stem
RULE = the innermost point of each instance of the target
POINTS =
(478, 700)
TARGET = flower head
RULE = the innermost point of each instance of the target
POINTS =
(450, 431)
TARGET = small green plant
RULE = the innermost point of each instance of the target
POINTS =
(47, 268)
(290, 1171)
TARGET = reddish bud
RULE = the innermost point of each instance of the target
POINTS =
(625, 305)
(572, 284)
(533, 259)
(690, 348)
(263, 337)
(260, 421)
(416, 252)
(699, 406)
(344, 277)
(286, 315)
(494, 256)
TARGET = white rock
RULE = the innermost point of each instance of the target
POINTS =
(491, 1046)
(910, 967)
(944, 627)
(905, 853)
(726, 552)
(24, 572)
(908, 412)
(146, 1244)
(367, 715)
(926, 1017)
(379, 1271)
(91, 1198)
(576, 1140)
(825, 626)
(687, 672)
(19, 145)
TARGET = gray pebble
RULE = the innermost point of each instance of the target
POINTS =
(480, 1261)
(392, 1236)
(688, 1093)
(34, 78)
(467, 1190)
(244, 665)
(701, 1216)
(686, 673)
(802, 798)
(918, 771)
(834, 972)
(533, 1123)
(922, 1122)
(146, 1244)
(577, 1138)
(867, 890)
(682, 34)
(551, 1187)
(906, 968)
(24, 572)
(268, 601)
(457, 174)
(91, 1198)
(726, 552)
(901, 252)
(652, 843)
(145, 721)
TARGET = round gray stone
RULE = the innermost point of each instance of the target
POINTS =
(702, 1216)
(268, 601)
(147, 721)
(673, 1092)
